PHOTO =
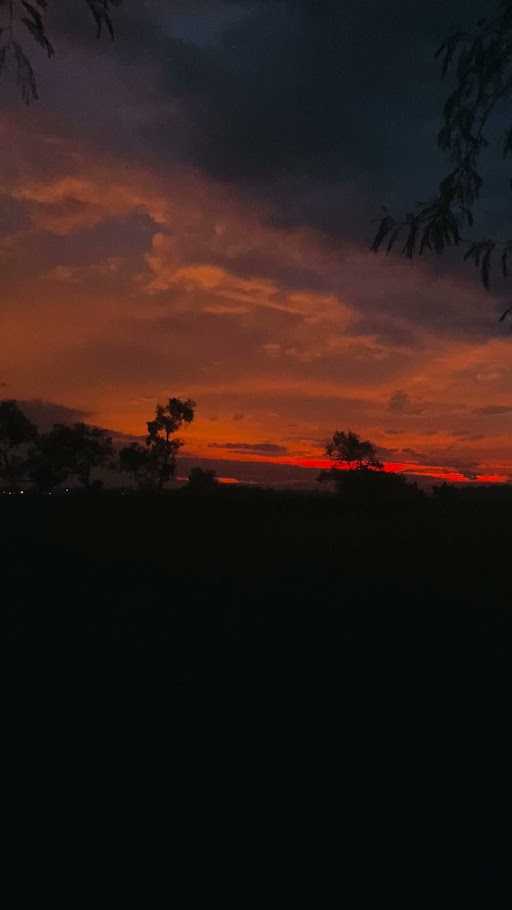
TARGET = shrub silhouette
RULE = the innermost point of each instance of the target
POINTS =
(366, 488)
(202, 481)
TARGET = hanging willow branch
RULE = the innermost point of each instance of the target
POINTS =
(20, 19)
(481, 60)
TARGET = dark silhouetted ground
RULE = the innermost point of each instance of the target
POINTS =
(373, 644)
(262, 586)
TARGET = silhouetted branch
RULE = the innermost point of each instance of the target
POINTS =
(20, 16)
(482, 60)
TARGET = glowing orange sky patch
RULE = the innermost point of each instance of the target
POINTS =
(123, 285)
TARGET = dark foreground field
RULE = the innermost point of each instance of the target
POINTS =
(361, 657)
(258, 588)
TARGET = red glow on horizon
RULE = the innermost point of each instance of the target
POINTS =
(436, 472)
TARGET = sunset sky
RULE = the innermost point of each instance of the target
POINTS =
(188, 211)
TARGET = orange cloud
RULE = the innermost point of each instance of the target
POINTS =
(215, 301)
(69, 204)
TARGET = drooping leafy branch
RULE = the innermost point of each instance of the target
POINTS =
(481, 60)
(19, 17)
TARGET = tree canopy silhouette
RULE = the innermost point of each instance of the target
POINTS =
(75, 450)
(47, 466)
(17, 432)
(20, 18)
(68, 451)
(355, 456)
(152, 467)
(354, 453)
(362, 482)
(135, 460)
(480, 58)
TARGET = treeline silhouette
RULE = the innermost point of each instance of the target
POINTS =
(273, 577)
(47, 460)
(74, 454)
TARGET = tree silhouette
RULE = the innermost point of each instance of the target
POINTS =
(48, 461)
(358, 459)
(75, 451)
(152, 467)
(364, 483)
(481, 58)
(136, 461)
(168, 420)
(16, 434)
(354, 453)
(19, 17)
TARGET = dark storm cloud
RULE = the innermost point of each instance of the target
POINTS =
(295, 104)
(323, 109)
(321, 91)
(45, 413)
(255, 448)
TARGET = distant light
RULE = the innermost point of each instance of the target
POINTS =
(22, 492)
